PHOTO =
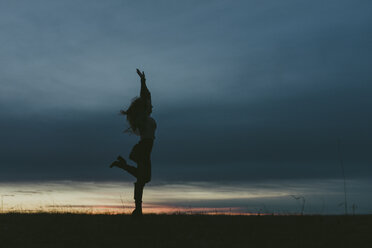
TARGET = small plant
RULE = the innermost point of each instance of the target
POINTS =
(343, 172)
(303, 200)
(354, 207)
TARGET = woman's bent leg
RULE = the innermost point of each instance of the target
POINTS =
(131, 170)
(125, 166)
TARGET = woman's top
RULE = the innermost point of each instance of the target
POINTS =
(148, 129)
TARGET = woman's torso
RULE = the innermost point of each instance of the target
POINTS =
(147, 131)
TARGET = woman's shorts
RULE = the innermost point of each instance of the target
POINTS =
(141, 152)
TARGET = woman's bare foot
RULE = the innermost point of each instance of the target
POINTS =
(120, 162)
(115, 164)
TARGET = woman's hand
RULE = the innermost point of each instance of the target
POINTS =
(141, 75)
(144, 93)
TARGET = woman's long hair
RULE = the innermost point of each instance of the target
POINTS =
(135, 115)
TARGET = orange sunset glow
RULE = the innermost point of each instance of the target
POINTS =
(116, 198)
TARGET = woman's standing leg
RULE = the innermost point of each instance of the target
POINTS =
(143, 159)
(143, 177)
(138, 192)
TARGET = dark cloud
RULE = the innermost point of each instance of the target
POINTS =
(241, 91)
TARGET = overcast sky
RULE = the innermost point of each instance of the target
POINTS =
(242, 90)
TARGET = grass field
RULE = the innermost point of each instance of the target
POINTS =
(80, 230)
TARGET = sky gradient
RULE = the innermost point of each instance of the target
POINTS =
(244, 92)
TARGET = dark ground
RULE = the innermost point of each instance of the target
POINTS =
(78, 230)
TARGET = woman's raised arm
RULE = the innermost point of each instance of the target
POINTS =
(145, 93)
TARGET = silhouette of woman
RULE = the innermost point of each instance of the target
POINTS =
(138, 116)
